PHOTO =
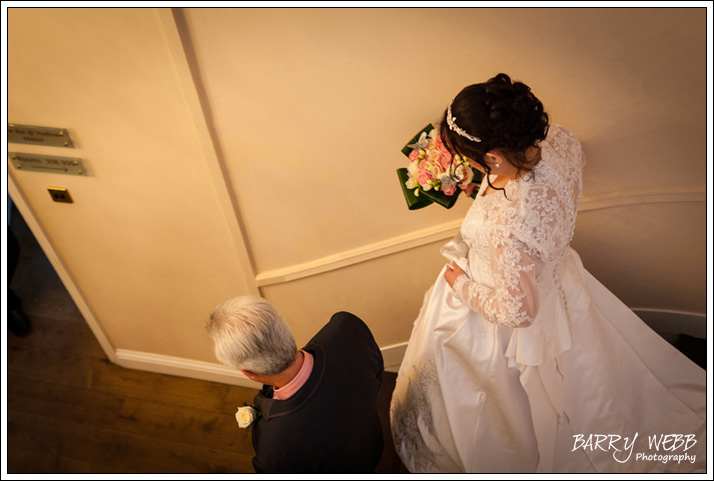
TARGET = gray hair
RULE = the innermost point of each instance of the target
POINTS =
(248, 333)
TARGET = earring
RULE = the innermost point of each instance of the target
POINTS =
(497, 165)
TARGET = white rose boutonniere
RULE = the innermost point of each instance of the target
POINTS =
(246, 416)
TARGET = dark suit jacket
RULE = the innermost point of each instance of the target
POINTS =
(331, 424)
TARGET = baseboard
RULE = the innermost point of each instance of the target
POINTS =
(664, 322)
(214, 372)
(393, 356)
(177, 366)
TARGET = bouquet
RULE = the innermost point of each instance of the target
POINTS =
(433, 174)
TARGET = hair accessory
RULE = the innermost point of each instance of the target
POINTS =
(451, 120)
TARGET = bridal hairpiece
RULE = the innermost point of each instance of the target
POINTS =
(451, 120)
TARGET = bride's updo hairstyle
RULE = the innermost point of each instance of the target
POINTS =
(502, 115)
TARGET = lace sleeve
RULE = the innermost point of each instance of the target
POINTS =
(513, 300)
(521, 243)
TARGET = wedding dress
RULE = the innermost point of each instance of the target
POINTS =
(586, 387)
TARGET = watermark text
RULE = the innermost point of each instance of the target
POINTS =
(662, 448)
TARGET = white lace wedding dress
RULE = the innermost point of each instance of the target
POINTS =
(586, 387)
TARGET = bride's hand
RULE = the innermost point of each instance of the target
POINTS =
(453, 271)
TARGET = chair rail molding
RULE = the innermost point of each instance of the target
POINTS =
(589, 202)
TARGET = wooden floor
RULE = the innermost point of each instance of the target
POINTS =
(70, 410)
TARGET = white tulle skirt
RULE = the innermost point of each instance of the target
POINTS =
(599, 392)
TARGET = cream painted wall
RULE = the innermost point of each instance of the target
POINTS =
(145, 242)
(312, 106)
(288, 123)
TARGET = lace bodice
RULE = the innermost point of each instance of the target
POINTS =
(516, 241)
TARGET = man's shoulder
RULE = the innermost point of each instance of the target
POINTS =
(344, 324)
(348, 343)
(347, 319)
(344, 328)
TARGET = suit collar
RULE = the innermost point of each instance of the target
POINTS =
(270, 408)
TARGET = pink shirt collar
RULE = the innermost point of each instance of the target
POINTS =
(298, 381)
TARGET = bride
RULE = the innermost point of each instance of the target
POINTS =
(519, 360)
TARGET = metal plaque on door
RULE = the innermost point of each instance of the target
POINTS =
(51, 164)
(49, 136)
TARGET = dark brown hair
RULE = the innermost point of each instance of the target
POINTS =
(505, 115)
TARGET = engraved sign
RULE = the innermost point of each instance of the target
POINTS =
(51, 164)
(50, 136)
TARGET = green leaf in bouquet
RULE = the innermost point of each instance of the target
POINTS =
(429, 197)
(440, 198)
(408, 150)
(413, 202)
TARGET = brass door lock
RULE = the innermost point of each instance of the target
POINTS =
(60, 194)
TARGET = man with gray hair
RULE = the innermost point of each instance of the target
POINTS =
(318, 405)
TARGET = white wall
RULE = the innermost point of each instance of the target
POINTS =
(253, 150)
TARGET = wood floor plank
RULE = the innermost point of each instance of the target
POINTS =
(61, 401)
(217, 430)
(110, 378)
(118, 449)
(75, 369)
(22, 461)
(210, 429)
(65, 367)
(236, 397)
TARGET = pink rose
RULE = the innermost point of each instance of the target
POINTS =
(445, 156)
(445, 160)
(424, 177)
(414, 155)
(450, 190)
